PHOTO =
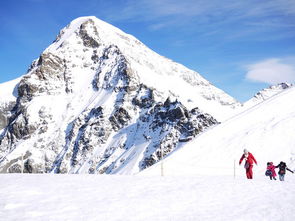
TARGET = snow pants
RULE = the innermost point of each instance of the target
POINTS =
(281, 176)
(249, 172)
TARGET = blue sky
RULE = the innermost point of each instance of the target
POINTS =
(239, 46)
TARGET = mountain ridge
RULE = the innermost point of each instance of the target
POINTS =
(266, 93)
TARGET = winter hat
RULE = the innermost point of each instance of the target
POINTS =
(246, 151)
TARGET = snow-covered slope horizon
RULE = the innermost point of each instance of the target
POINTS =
(266, 130)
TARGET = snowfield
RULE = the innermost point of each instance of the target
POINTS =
(29, 197)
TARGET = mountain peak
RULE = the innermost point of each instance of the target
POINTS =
(93, 28)
(90, 35)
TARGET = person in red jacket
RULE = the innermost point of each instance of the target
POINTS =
(270, 171)
(249, 160)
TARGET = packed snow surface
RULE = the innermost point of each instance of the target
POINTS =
(111, 197)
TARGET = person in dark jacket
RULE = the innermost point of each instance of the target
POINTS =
(282, 170)
(249, 160)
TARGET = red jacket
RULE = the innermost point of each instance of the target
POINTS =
(250, 159)
(271, 167)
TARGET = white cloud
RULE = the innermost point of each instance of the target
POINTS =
(272, 71)
(251, 19)
(229, 10)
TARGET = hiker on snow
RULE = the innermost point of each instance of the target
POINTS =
(270, 171)
(249, 159)
(282, 170)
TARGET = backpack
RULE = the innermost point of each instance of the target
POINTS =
(268, 173)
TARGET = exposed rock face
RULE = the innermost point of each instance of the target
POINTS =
(5, 113)
(88, 41)
(174, 124)
(47, 77)
(85, 106)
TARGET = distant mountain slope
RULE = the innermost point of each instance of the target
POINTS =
(99, 101)
(266, 93)
(266, 130)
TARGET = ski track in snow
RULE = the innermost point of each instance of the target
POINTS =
(112, 197)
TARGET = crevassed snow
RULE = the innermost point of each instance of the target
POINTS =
(266, 130)
(139, 198)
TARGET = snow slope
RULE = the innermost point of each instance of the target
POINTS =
(144, 198)
(266, 130)
(8, 90)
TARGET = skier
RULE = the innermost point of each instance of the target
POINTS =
(282, 170)
(270, 171)
(249, 159)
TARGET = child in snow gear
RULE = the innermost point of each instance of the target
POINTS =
(249, 159)
(270, 171)
(282, 170)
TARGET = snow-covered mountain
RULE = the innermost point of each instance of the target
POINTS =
(98, 100)
(266, 130)
(266, 93)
